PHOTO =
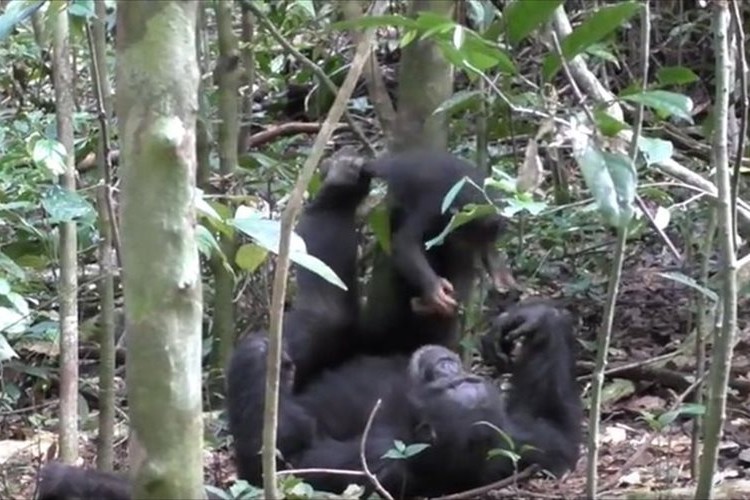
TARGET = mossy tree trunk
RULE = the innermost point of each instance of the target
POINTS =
(157, 85)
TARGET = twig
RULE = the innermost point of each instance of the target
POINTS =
(363, 458)
(301, 472)
(279, 37)
(473, 493)
(740, 41)
(107, 173)
(288, 217)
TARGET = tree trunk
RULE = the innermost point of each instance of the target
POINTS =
(68, 287)
(227, 76)
(425, 80)
(106, 285)
(157, 85)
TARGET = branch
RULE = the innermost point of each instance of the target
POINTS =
(288, 218)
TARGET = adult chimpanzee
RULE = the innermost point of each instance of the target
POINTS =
(440, 277)
(427, 398)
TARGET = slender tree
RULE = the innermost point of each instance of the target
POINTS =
(157, 87)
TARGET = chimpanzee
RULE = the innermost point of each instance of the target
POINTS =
(427, 398)
(58, 481)
(440, 277)
(318, 327)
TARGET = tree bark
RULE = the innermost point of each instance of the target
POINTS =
(157, 85)
(63, 82)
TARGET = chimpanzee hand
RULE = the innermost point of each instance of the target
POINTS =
(440, 301)
(527, 321)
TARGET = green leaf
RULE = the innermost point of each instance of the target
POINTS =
(524, 16)
(307, 6)
(607, 124)
(82, 8)
(12, 322)
(207, 244)
(676, 75)
(515, 205)
(611, 180)
(460, 101)
(6, 351)
(49, 154)
(202, 206)
(688, 281)
(451, 194)
(4, 287)
(380, 224)
(468, 214)
(250, 256)
(17, 11)
(65, 206)
(267, 234)
(665, 102)
(655, 150)
(604, 21)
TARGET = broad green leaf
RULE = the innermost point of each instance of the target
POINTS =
(604, 21)
(250, 256)
(515, 205)
(380, 224)
(469, 213)
(393, 454)
(267, 234)
(607, 124)
(665, 102)
(602, 51)
(50, 154)
(524, 16)
(207, 244)
(688, 281)
(202, 206)
(460, 101)
(676, 75)
(612, 181)
(16, 12)
(6, 351)
(4, 287)
(451, 194)
(12, 322)
(82, 8)
(64, 206)
(306, 6)
(655, 150)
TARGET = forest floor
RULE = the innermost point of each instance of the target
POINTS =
(651, 321)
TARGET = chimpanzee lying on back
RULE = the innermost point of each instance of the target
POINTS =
(442, 276)
(428, 398)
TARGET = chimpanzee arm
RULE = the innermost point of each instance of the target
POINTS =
(544, 411)
(409, 255)
(392, 474)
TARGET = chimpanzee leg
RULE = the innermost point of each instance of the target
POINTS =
(318, 328)
(544, 408)
(246, 389)
(65, 482)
